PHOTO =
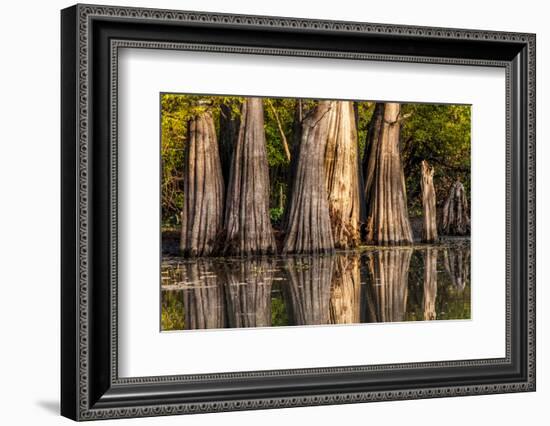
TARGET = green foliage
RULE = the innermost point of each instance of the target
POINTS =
(176, 111)
(279, 315)
(439, 134)
(276, 214)
(172, 311)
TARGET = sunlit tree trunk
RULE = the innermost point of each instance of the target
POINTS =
(248, 291)
(456, 219)
(309, 289)
(429, 228)
(430, 284)
(203, 189)
(247, 221)
(345, 293)
(342, 174)
(308, 223)
(457, 265)
(203, 300)
(389, 270)
(385, 195)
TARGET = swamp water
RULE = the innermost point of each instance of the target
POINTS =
(371, 285)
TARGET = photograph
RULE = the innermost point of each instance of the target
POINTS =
(280, 212)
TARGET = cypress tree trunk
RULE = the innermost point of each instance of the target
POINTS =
(247, 221)
(389, 270)
(385, 195)
(203, 302)
(430, 284)
(308, 222)
(429, 229)
(345, 293)
(229, 126)
(203, 189)
(248, 292)
(456, 219)
(309, 289)
(342, 175)
(457, 265)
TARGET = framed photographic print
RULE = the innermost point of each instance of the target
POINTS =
(263, 212)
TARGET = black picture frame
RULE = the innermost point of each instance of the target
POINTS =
(90, 386)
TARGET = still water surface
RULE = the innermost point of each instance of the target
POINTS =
(374, 285)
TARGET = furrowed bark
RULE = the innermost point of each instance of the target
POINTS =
(308, 227)
(248, 228)
(203, 189)
(456, 219)
(385, 195)
(429, 228)
(342, 175)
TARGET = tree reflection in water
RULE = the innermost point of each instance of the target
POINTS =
(457, 264)
(389, 273)
(248, 293)
(309, 281)
(203, 302)
(430, 284)
(390, 284)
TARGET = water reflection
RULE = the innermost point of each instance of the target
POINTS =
(384, 285)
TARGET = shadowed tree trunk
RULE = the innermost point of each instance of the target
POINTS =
(389, 271)
(229, 126)
(345, 293)
(203, 299)
(308, 223)
(456, 219)
(342, 175)
(457, 265)
(203, 189)
(430, 284)
(248, 291)
(247, 221)
(309, 289)
(429, 228)
(385, 195)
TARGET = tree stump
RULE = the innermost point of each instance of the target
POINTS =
(203, 189)
(248, 293)
(389, 271)
(248, 228)
(385, 194)
(308, 227)
(345, 293)
(456, 219)
(429, 212)
(342, 174)
(430, 284)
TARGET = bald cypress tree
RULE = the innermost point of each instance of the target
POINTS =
(248, 228)
(308, 221)
(385, 194)
(342, 174)
(203, 188)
